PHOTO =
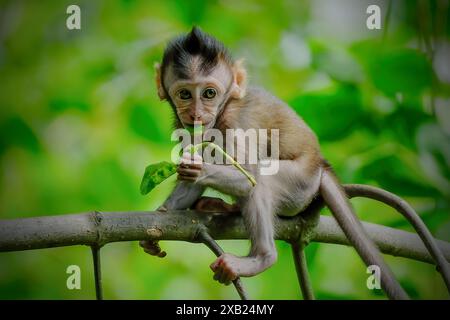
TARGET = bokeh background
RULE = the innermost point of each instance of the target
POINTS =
(80, 120)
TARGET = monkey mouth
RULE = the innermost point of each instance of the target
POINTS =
(204, 125)
(194, 129)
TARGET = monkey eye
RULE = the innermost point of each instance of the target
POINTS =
(209, 93)
(184, 94)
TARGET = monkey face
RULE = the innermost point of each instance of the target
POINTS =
(200, 97)
(197, 76)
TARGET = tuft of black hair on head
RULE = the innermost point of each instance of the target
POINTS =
(181, 50)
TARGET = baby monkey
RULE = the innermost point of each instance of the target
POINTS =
(202, 83)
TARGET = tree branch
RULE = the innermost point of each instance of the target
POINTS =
(98, 229)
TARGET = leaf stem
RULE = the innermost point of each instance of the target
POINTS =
(196, 147)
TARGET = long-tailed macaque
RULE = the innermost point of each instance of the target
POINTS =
(203, 83)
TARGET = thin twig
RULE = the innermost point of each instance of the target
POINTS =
(97, 272)
(386, 20)
(236, 164)
(214, 246)
(424, 19)
(301, 267)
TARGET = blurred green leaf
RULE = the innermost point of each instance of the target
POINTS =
(144, 123)
(331, 115)
(410, 288)
(107, 184)
(393, 175)
(403, 124)
(15, 131)
(311, 253)
(62, 103)
(433, 144)
(192, 12)
(405, 70)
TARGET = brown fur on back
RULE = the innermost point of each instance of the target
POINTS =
(260, 110)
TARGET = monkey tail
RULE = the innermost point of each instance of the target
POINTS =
(336, 200)
(394, 201)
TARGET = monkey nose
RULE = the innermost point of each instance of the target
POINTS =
(196, 117)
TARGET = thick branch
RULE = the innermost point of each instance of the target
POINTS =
(98, 229)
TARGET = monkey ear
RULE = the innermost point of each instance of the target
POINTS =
(239, 79)
(158, 80)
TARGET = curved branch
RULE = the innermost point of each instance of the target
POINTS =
(98, 229)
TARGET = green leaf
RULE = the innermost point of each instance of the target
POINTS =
(393, 174)
(213, 193)
(142, 122)
(407, 71)
(331, 115)
(155, 174)
(15, 131)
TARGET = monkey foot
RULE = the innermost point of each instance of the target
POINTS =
(152, 247)
(228, 267)
(209, 204)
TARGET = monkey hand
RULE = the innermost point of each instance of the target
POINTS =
(225, 268)
(190, 167)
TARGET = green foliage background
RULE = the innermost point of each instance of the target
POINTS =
(80, 121)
